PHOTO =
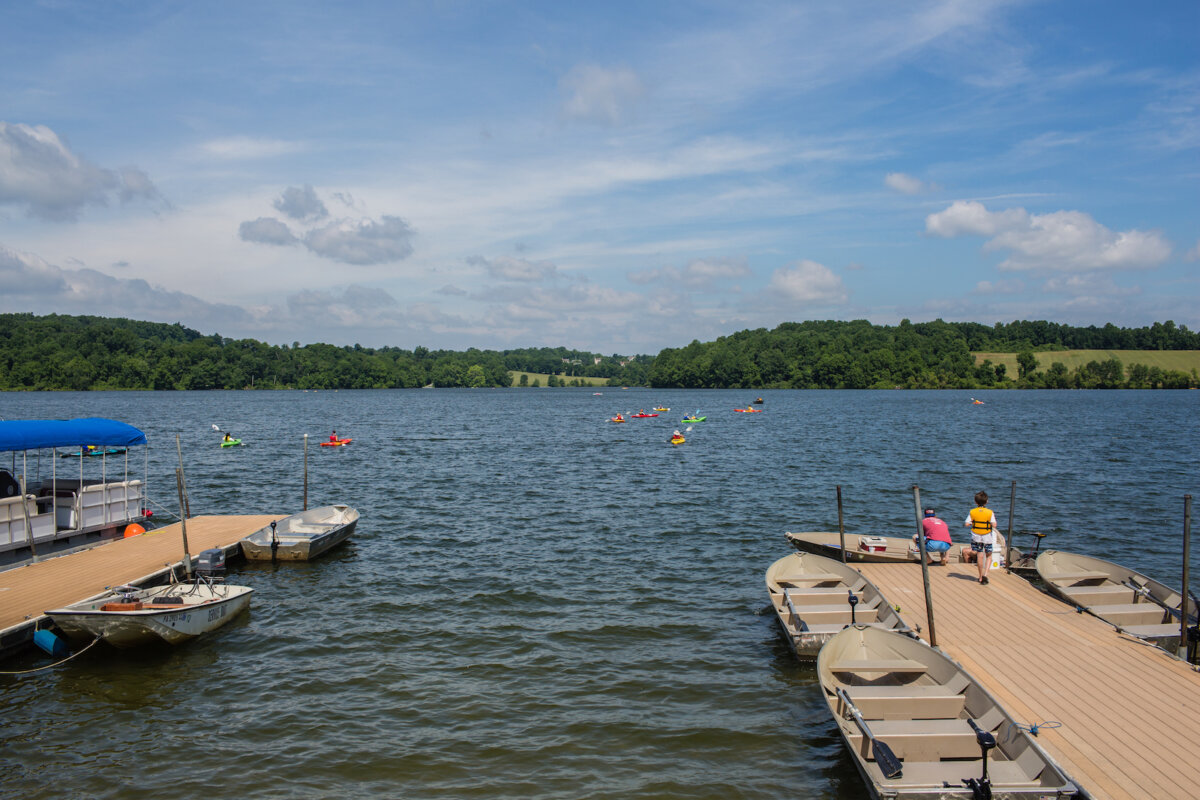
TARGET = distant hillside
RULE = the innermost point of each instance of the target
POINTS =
(1186, 361)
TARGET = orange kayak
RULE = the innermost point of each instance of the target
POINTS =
(338, 443)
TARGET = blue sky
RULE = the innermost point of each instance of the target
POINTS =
(616, 177)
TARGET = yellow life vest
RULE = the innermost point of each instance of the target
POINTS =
(981, 521)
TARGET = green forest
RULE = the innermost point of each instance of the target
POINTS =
(56, 352)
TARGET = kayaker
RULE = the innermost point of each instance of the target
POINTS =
(333, 436)
(228, 437)
(677, 434)
(937, 536)
(982, 522)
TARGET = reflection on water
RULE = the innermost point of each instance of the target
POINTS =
(538, 603)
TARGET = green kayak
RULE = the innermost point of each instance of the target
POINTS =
(232, 443)
(694, 419)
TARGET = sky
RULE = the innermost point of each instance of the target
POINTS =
(614, 177)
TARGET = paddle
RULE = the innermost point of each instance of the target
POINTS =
(1142, 591)
(885, 759)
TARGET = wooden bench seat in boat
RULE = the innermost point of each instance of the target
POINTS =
(922, 739)
(1076, 577)
(1160, 631)
(822, 615)
(818, 591)
(904, 666)
(907, 702)
(1008, 774)
(837, 627)
(1131, 613)
(1093, 595)
(811, 577)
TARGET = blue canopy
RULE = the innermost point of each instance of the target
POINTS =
(32, 434)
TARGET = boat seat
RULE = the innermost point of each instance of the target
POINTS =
(817, 592)
(925, 701)
(921, 739)
(838, 627)
(1003, 774)
(1161, 631)
(903, 666)
(1075, 577)
(1131, 613)
(1095, 595)
(821, 615)
(812, 577)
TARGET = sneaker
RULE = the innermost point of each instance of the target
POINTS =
(983, 580)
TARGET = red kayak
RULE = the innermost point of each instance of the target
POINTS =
(642, 416)
(338, 443)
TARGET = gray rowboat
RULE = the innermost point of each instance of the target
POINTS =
(302, 536)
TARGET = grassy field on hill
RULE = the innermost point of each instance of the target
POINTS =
(1181, 360)
(541, 378)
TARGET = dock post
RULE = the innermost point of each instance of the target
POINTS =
(187, 557)
(924, 566)
(1183, 606)
(1012, 509)
(841, 526)
(29, 528)
(305, 473)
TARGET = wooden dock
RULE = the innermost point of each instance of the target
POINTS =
(1130, 712)
(27, 591)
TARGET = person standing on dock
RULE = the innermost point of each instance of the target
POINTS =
(982, 522)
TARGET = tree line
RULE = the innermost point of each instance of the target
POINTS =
(58, 352)
(926, 355)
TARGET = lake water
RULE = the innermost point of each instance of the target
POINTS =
(541, 604)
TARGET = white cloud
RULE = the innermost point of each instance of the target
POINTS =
(301, 203)
(507, 268)
(241, 148)
(40, 173)
(363, 241)
(266, 230)
(999, 287)
(905, 184)
(808, 282)
(1194, 253)
(699, 273)
(1066, 241)
(596, 94)
(968, 217)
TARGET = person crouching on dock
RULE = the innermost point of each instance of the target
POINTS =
(937, 537)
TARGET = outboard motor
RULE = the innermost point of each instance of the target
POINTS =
(211, 563)
(981, 787)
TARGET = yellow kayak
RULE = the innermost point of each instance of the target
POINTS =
(677, 440)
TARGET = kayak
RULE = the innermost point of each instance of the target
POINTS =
(694, 419)
(677, 440)
(749, 410)
(338, 443)
(662, 408)
(642, 416)
(112, 451)
(232, 443)
(617, 419)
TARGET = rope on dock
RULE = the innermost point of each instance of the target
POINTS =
(56, 663)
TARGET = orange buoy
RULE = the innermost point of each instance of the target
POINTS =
(133, 530)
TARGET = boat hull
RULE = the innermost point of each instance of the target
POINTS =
(1106, 590)
(920, 704)
(302, 537)
(810, 595)
(204, 608)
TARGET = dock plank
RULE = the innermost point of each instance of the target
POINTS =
(1128, 710)
(27, 591)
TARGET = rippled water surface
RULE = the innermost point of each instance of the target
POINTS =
(540, 604)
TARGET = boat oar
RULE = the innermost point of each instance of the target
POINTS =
(1142, 591)
(885, 759)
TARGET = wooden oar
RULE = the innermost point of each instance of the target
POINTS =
(1144, 592)
(885, 759)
